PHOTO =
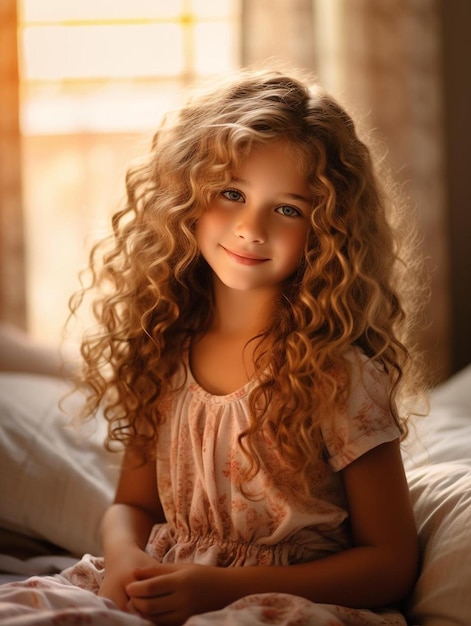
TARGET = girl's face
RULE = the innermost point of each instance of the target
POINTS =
(254, 232)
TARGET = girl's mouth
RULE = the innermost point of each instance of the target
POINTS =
(245, 258)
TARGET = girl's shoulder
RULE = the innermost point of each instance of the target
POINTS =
(367, 379)
(364, 420)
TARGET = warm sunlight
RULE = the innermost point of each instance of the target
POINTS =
(96, 77)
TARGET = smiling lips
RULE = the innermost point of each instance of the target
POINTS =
(245, 258)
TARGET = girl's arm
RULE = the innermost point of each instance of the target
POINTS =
(382, 566)
(127, 524)
(378, 571)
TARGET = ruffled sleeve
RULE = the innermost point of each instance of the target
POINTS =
(365, 420)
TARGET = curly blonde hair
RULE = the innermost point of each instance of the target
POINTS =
(154, 288)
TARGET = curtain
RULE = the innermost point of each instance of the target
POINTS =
(12, 274)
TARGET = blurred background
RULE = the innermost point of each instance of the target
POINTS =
(84, 83)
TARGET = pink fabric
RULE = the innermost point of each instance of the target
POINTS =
(198, 463)
(211, 522)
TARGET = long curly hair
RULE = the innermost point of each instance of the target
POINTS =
(153, 289)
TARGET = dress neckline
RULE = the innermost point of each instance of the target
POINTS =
(207, 396)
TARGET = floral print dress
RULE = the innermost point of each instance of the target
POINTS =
(210, 521)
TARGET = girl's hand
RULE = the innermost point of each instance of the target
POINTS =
(169, 594)
(120, 572)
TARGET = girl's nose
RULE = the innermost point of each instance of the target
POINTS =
(250, 226)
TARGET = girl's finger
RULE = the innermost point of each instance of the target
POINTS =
(154, 586)
(154, 607)
(142, 573)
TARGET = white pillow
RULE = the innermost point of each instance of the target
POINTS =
(437, 458)
(441, 496)
(445, 434)
(55, 481)
(455, 391)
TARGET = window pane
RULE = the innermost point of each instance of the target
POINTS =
(64, 10)
(215, 48)
(97, 109)
(213, 8)
(58, 52)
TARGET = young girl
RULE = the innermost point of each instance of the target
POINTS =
(249, 356)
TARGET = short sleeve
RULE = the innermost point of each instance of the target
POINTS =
(366, 420)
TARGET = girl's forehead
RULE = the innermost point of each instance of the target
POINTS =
(274, 149)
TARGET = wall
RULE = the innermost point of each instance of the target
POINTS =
(456, 28)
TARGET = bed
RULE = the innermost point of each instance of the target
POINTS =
(56, 481)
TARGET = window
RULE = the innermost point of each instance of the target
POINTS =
(96, 77)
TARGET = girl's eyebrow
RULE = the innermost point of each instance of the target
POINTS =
(295, 196)
(239, 181)
(291, 196)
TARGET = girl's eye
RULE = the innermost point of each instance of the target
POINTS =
(233, 195)
(288, 211)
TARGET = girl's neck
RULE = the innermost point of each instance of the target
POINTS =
(222, 359)
(241, 313)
